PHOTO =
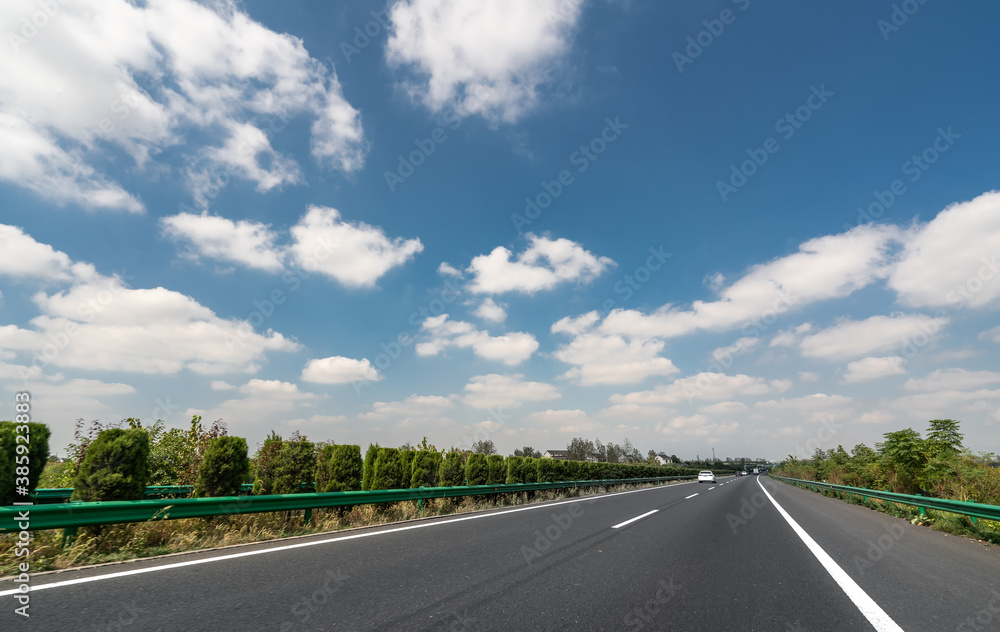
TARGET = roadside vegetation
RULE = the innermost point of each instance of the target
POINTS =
(118, 461)
(937, 465)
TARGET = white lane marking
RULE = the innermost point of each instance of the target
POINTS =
(710, 488)
(286, 547)
(872, 611)
(631, 520)
(691, 496)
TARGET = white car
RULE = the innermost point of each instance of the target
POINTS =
(706, 476)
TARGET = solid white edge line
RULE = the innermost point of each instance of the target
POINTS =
(286, 547)
(631, 520)
(691, 496)
(872, 611)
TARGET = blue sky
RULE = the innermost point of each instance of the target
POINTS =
(755, 227)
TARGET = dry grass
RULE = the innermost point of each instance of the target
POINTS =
(114, 543)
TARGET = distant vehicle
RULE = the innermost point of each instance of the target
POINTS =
(744, 473)
(706, 476)
(756, 470)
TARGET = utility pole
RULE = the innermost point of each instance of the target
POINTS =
(713, 455)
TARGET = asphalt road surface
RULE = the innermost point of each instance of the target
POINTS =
(745, 554)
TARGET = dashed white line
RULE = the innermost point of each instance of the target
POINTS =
(872, 611)
(631, 520)
(691, 496)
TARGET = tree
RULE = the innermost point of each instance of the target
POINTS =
(651, 458)
(580, 449)
(528, 451)
(902, 455)
(115, 468)
(369, 466)
(344, 469)
(424, 470)
(21, 460)
(943, 439)
(296, 464)
(476, 472)
(265, 464)
(452, 472)
(484, 446)
(388, 470)
(224, 467)
(496, 473)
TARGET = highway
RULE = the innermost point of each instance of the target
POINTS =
(684, 557)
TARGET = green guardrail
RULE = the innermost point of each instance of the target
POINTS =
(71, 515)
(923, 503)
(64, 494)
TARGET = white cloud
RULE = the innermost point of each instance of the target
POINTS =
(706, 386)
(545, 264)
(244, 242)
(697, 426)
(414, 406)
(491, 311)
(807, 376)
(725, 408)
(603, 359)
(790, 337)
(952, 380)
(446, 269)
(108, 75)
(355, 254)
(511, 349)
(575, 421)
(991, 335)
(273, 388)
(488, 57)
(827, 267)
(738, 348)
(221, 385)
(506, 391)
(339, 370)
(578, 325)
(872, 368)
(22, 257)
(954, 258)
(853, 338)
(101, 324)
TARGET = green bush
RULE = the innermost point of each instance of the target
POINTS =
(265, 464)
(388, 469)
(475, 469)
(223, 468)
(548, 471)
(28, 462)
(424, 471)
(529, 469)
(324, 465)
(296, 464)
(406, 457)
(115, 468)
(496, 473)
(369, 466)
(514, 467)
(345, 469)
(452, 472)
